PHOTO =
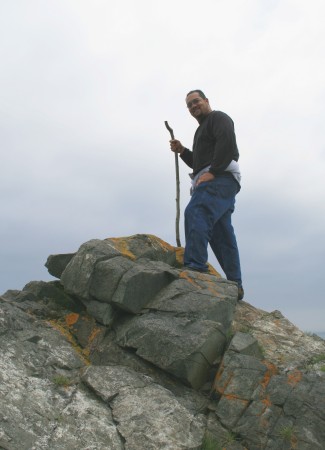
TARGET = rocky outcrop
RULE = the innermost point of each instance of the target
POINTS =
(130, 351)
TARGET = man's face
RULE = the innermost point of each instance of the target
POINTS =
(198, 107)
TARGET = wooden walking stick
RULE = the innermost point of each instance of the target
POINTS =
(177, 188)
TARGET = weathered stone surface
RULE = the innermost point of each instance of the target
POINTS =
(246, 345)
(141, 283)
(145, 246)
(151, 418)
(236, 381)
(178, 345)
(35, 412)
(51, 292)
(148, 416)
(198, 296)
(107, 276)
(14, 295)
(84, 328)
(283, 343)
(101, 312)
(76, 278)
(267, 409)
(56, 264)
(79, 372)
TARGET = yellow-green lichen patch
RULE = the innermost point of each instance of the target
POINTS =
(62, 327)
(121, 244)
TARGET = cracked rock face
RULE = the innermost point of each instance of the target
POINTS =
(36, 410)
(129, 351)
(148, 415)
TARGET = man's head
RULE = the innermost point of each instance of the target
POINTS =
(197, 104)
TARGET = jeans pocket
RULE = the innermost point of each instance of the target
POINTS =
(222, 187)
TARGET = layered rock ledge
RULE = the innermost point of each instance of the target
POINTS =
(127, 350)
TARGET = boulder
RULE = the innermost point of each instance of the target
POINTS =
(76, 277)
(56, 264)
(130, 351)
(266, 408)
(184, 348)
(141, 283)
(107, 276)
(198, 296)
(145, 246)
(148, 416)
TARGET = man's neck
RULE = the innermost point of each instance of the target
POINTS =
(202, 118)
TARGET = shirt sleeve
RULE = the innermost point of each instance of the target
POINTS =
(187, 157)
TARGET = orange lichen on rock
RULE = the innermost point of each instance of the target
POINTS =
(271, 370)
(179, 252)
(212, 271)
(61, 328)
(294, 442)
(186, 276)
(71, 319)
(294, 377)
(93, 334)
(219, 385)
(267, 402)
(162, 244)
(212, 287)
(233, 397)
(122, 246)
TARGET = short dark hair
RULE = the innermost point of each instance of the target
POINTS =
(201, 94)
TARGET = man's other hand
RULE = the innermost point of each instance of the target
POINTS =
(207, 176)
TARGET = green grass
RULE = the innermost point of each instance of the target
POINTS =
(211, 443)
(318, 358)
(262, 350)
(246, 329)
(61, 380)
(287, 433)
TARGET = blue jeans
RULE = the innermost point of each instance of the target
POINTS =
(208, 221)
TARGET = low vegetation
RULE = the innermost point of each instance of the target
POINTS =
(212, 443)
(61, 380)
(287, 433)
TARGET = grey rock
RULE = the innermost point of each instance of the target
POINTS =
(141, 283)
(85, 423)
(180, 346)
(148, 416)
(14, 295)
(109, 357)
(145, 246)
(108, 381)
(35, 412)
(236, 381)
(56, 264)
(102, 312)
(76, 278)
(106, 277)
(267, 409)
(215, 300)
(283, 343)
(152, 418)
(51, 293)
(245, 344)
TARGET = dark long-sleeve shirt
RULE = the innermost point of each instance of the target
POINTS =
(214, 144)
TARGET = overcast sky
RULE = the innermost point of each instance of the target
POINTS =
(85, 89)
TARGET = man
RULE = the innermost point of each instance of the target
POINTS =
(215, 183)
